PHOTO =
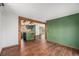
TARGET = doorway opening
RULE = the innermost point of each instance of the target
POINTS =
(29, 30)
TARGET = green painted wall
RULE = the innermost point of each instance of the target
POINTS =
(64, 30)
(30, 36)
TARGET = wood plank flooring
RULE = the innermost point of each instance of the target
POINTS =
(40, 48)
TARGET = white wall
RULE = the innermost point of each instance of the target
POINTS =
(37, 29)
(9, 28)
(0, 27)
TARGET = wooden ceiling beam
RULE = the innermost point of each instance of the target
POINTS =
(29, 19)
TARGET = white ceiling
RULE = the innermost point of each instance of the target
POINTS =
(43, 11)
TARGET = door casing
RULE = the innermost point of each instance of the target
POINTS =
(28, 19)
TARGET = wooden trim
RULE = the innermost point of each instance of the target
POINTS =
(29, 19)
(19, 27)
(19, 32)
(46, 31)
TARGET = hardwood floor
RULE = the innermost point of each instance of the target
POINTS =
(39, 48)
